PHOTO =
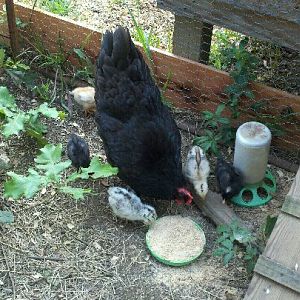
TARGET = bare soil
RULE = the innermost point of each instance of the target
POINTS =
(58, 248)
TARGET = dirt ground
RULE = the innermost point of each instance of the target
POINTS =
(58, 248)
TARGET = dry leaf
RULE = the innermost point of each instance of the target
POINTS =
(97, 245)
(37, 276)
(105, 182)
(280, 173)
(70, 226)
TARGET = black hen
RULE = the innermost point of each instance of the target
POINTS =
(229, 179)
(78, 152)
(139, 134)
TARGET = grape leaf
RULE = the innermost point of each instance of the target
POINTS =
(6, 99)
(6, 217)
(49, 161)
(47, 111)
(14, 125)
(20, 185)
(96, 169)
(76, 193)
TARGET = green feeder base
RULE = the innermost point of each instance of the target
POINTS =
(253, 195)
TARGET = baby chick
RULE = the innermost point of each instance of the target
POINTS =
(230, 180)
(85, 96)
(196, 170)
(127, 205)
(78, 152)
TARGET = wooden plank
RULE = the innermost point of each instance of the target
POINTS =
(282, 247)
(192, 39)
(278, 21)
(214, 208)
(262, 288)
(192, 86)
(278, 273)
(291, 206)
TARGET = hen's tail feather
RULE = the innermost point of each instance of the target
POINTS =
(118, 52)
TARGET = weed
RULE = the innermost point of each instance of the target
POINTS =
(14, 120)
(43, 91)
(222, 39)
(231, 236)
(50, 169)
(243, 65)
(59, 7)
(86, 71)
(219, 130)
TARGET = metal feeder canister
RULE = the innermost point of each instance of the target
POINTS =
(252, 146)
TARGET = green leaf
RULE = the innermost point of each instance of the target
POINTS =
(62, 115)
(269, 225)
(76, 193)
(41, 141)
(20, 185)
(220, 108)
(228, 257)
(223, 228)
(49, 112)
(249, 94)
(14, 125)
(50, 154)
(49, 161)
(220, 251)
(6, 217)
(6, 99)
(96, 169)
(227, 244)
(242, 235)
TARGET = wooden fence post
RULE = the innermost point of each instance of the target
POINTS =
(192, 39)
(12, 27)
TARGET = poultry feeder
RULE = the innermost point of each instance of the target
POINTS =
(252, 146)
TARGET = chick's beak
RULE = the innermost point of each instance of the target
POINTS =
(198, 157)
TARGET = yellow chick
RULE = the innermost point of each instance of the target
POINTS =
(196, 170)
(85, 96)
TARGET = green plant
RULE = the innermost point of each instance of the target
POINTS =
(231, 236)
(14, 120)
(242, 73)
(218, 130)
(59, 7)
(86, 70)
(269, 226)
(222, 39)
(50, 169)
(43, 91)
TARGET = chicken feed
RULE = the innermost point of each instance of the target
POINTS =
(175, 238)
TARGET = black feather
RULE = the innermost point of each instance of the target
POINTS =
(229, 179)
(139, 134)
(78, 152)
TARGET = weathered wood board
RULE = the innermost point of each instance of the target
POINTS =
(272, 20)
(192, 85)
(283, 249)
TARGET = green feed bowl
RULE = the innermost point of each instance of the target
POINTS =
(253, 195)
(177, 263)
